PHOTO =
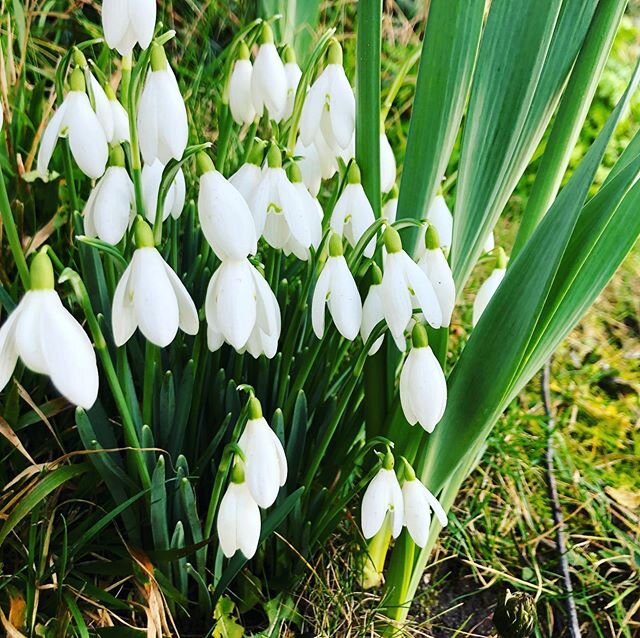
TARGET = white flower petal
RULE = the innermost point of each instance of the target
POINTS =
(424, 296)
(68, 352)
(8, 351)
(395, 297)
(111, 210)
(435, 266)
(372, 314)
(342, 106)
(319, 300)
(312, 109)
(269, 82)
(187, 312)
(344, 301)
(387, 164)
(156, 306)
(245, 180)
(142, 14)
(417, 514)
(440, 216)
(27, 329)
(486, 292)
(240, 103)
(375, 503)
(123, 316)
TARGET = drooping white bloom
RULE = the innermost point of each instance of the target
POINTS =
(48, 340)
(293, 74)
(337, 290)
(405, 287)
(387, 164)
(423, 388)
(150, 296)
(268, 80)
(277, 210)
(372, 311)
(329, 107)
(487, 290)
(435, 266)
(224, 215)
(489, 243)
(238, 521)
(127, 23)
(418, 504)
(246, 179)
(313, 165)
(120, 119)
(176, 195)
(103, 109)
(238, 302)
(110, 209)
(240, 100)
(383, 495)
(353, 214)
(163, 128)
(76, 119)
(313, 218)
(440, 216)
(390, 209)
(265, 461)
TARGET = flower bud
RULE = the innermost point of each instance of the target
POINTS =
(515, 615)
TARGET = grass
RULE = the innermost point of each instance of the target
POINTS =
(501, 532)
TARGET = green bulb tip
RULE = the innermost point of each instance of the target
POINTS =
(335, 246)
(334, 52)
(266, 34)
(353, 175)
(158, 57)
(41, 271)
(274, 157)
(204, 164)
(254, 408)
(143, 233)
(76, 81)
(431, 238)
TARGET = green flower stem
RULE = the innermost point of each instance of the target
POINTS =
(224, 137)
(12, 233)
(397, 84)
(151, 360)
(130, 434)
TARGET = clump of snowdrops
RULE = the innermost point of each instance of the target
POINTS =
(228, 298)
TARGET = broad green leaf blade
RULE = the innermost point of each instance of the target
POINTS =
(368, 99)
(486, 374)
(446, 66)
(607, 229)
(512, 56)
(572, 112)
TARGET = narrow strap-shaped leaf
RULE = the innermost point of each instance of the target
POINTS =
(487, 372)
(512, 56)
(446, 66)
(49, 482)
(572, 112)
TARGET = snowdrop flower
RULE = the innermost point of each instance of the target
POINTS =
(76, 119)
(404, 287)
(238, 522)
(268, 80)
(150, 296)
(435, 266)
(353, 214)
(489, 287)
(489, 243)
(383, 495)
(162, 116)
(440, 216)
(418, 504)
(174, 199)
(277, 209)
(372, 310)
(336, 289)
(110, 208)
(238, 302)
(127, 23)
(316, 161)
(48, 340)
(247, 177)
(102, 107)
(423, 388)
(293, 74)
(329, 107)
(224, 215)
(120, 119)
(240, 103)
(312, 213)
(265, 462)
(387, 164)
(390, 209)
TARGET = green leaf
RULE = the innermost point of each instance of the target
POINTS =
(512, 55)
(571, 115)
(49, 482)
(489, 369)
(448, 57)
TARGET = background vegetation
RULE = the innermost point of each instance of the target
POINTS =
(501, 534)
